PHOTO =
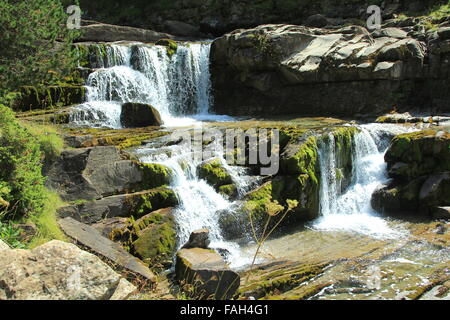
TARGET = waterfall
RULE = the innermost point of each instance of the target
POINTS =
(351, 210)
(177, 85)
(199, 203)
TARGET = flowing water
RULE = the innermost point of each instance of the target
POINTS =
(178, 85)
(352, 209)
(199, 203)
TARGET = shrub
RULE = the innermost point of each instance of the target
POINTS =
(21, 181)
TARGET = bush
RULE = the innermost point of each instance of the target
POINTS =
(21, 181)
(36, 45)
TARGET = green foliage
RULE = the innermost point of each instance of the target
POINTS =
(11, 235)
(46, 221)
(50, 142)
(21, 180)
(36, 44)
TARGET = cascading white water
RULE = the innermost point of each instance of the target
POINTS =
(199, 203)
(176, 85)
(351, 210)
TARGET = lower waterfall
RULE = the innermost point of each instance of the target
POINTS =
(351, 210)
(199, 203)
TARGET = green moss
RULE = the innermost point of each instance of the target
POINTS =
(281, 280)
(171, 46)
(304, 161)
(214, 173)
(30, 98)
(154, 175)
(230, 191)
(152, 200)
(156, 237)
(423, 152)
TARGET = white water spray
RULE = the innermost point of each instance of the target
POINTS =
(199, 203)
(351, 210)
(178, 85)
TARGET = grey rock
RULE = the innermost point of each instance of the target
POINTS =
(198, 239)
(106, 226)
(89, 237)
(441, 213)
(390, 33)
(92, 173)
(135, 115)
(124, 205)
(109, 33)
(56, 271)
(207, 272)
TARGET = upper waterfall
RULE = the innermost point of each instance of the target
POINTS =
(177, 85)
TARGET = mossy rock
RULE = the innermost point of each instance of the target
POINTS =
(229, 191)
(171, 46)
(31, 98)
(155, 235)
(152, 200)
(214, 173)
(154, 175)
(421, 153)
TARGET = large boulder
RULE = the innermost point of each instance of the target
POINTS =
(135, 115)
(207, 272)
(58, 271)
(93, 173)
(273, 69)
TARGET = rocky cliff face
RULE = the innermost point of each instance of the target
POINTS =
(287, 69)
(189, 17)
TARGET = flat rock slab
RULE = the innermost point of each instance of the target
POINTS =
(89, 237)
(207, 272)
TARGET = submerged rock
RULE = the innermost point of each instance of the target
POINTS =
(58, 271)
(208, 274)
(135, 115)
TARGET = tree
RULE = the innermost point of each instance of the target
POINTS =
(36, 46)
